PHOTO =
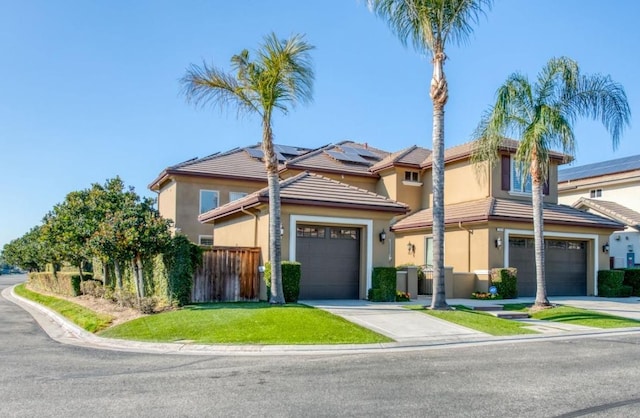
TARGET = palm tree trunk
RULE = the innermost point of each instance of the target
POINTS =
(538, 235)
(439, 94)
(275, 250)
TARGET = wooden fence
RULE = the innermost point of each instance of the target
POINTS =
(227, 274)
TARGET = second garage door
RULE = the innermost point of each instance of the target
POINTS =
(565, 266)
(330, 259)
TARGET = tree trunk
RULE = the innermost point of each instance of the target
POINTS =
(538, 234)
(439, 95)
(275, 250)
(136, 265)
(116, 266)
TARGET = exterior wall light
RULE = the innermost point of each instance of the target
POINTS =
(281, 230)
(498, 242)
(382, 235)
(411, 249)
(605, 248)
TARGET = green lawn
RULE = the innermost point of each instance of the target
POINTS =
(245, 323)
(577, 316)
(79, 315)
(479, 321)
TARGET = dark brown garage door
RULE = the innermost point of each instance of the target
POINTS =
(330, 258)
(565, 266)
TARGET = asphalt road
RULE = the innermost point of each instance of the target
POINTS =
(575, 377)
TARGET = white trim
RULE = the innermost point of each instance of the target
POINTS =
(367, 223)
(566, 235)
(411, 183)
(200, 203)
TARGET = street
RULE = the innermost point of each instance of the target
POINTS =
(581, 377)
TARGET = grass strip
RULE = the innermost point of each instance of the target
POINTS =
(577, 316)
(79, 315)
(479, 321)
(245, 323)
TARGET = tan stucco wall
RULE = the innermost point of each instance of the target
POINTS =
(393, 186)
(167, 201)
(461, 183)
(187, 194)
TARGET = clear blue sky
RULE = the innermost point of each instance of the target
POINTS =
(89, 89)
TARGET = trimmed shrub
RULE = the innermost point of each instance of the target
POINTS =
(632, 279)
(610, 283)
(384, 280)
(92, 288)
(67, 284)
(506, 282)
(291, 274)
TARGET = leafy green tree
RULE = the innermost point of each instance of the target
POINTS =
(27, 252)
(541, 115)
(432, 25)
(279, 76)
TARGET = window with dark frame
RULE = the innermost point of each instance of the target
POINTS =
(411, 176)
(595, 193)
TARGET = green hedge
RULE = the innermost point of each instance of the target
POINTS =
(610, 284)
(181, 260)
(61, 283)
(291, 274)
(632, 279)
(506, 282)
(383, 285)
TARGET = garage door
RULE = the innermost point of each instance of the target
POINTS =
(330, 258)
(565, 266)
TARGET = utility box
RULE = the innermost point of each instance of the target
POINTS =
(631, 260)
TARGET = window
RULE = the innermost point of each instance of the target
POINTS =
(411, 176)
(206, 240)
(520, 181)
(236, 195)
(208, 200)
(513, 181)
(428, 256)
(310, 231)
(595, 193)
(344, 233)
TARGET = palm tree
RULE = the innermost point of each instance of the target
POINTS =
(541, 116)
(432, 25)
(280, 75)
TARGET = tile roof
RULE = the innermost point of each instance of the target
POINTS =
(618, 165)
(412, 157)
(240, 163)
(346, 157)
(612, 210)
(464, 150)
(508, 210)
(312, 190)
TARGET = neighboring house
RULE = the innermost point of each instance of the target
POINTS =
(348, 207)
(611, 189)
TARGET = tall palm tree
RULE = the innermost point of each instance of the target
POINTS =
(541, 116)
(279, 76)
(431, 25)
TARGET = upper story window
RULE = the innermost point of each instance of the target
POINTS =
(515, 182)
(595, 193)
(236, 195)
(412, 176)
(208, 200)
(206, 240)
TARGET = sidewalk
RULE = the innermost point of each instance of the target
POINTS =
(411, 330)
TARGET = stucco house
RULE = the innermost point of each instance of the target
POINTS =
(349, 207)
(610, 189)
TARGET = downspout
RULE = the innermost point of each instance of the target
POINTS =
(469, 233)
(255, 224)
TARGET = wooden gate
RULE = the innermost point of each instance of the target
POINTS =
(227, 274)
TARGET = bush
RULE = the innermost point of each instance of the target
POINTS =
(67, 284)
(632, 279)
(506, 282)
(403, 296)
(384, 280)
(291, 274)
(610, 283)
(92, 288)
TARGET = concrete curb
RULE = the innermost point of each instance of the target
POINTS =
(63, 331)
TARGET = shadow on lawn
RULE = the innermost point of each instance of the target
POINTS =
(240, 305)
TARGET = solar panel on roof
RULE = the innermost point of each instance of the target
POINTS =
(598, 169)
(351, 158)
(363, 152)
(255, 152)
(287, 150)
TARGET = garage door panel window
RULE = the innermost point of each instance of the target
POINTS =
(310, 232)
(344, 233)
